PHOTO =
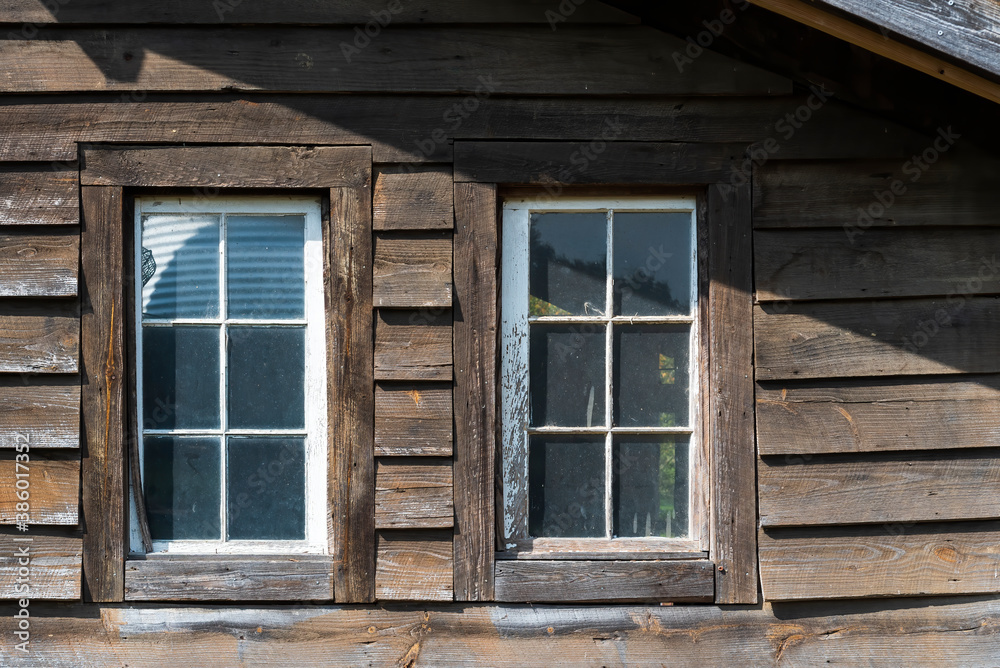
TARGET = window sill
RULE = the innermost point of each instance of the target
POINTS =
(599, 548)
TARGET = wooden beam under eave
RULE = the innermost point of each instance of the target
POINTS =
(883, 46)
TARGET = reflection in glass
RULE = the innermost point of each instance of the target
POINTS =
(651, 376)
(266, 377)
(180, 266)
(180, 377)
(181, 487)
(650, 488)
(265, 488)
(265, 266)
(566, 487)
(567, 375)
(568, 274)
(652, 263)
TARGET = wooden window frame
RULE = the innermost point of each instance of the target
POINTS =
(110, 176)
(483, 170)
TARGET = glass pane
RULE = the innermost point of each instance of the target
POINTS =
(651, 376)
(652, 263)
(650, 486)
(180, 377)
(266, 488)
(265, 267)
(180, 266)
(182, 487)
(567, 375)
(266, 377)
(568, 273)
(566, 486)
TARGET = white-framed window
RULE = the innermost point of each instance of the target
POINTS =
(600, 392)
(230, 360)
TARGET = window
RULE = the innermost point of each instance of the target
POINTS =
(600, 388)
(229, 346)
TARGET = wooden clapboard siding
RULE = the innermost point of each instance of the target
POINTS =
(413, 494)
(881, 560)
(830, 194)
(900, 262)
(405, 199)
(39, 337)
(37, 194)
(260, 579)
(38, 263)
(605, 581)
(54, 568)
(41, 415)
(414, 566)
(877, 338)
(47, 128)
(526, 59)
(872, 414)
(898, 487)
(53, 488)
(412, 271)
(352, 12)
(413, 345)
(412, 419)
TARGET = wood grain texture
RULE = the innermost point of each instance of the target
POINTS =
(485, 60)
(829, 264)
(892, 560)
(604, 581)
(414, 566)
(956, 190)
(413, 345)
(351, 391)
(872, 415)
(904, 487)
(39, 337)
(227, 167)
(476, 295)
(53, 568)
(406, 199)
(226, 579)
(38, 263)
(37, 194)
(731, 404)
(102, 397)
(43, 415)
(412, 271)
(598, 162)
(413, 494)
(877, 338)
(413, 419)
(53, 488)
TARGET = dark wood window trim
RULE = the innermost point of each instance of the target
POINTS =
(729, 575)
(343, 174)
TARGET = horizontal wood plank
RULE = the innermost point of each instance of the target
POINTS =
(406, 199)
(872, 415)
(38, 263)
(524, 59)
(414, 566)
(604, 581)
(857, 195)
(37, 194)
(206, 579)
(414, 494)
(40, 415)
(893, 560)
(877, 338)
(829, 264)
(412, 271)
(53, 570)
(39, 337)
(52, 487)
(555, 164)
(227, 167)
(413, 345)
(904, 487)
(413, 419)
